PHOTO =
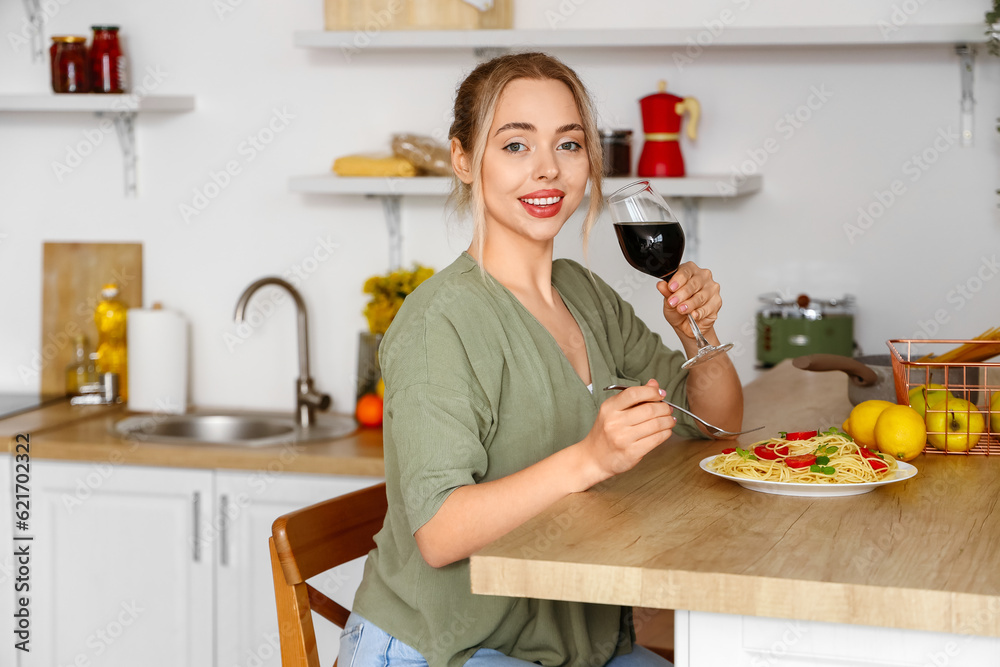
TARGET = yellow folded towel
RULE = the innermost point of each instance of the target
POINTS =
(373, 165)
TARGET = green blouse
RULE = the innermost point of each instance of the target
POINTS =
(476, 389)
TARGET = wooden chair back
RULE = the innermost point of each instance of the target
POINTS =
(311, 541)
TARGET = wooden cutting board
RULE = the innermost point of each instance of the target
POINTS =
(72, 277)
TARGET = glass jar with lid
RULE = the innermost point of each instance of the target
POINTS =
(107, 60)
(56, 39)
(617, 145)
(70, 66)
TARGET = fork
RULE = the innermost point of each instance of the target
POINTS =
(713, 430)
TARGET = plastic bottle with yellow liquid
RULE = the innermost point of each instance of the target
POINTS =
(112, 355)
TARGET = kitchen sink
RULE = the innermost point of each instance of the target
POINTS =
(248, 430)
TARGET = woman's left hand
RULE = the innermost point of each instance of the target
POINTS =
(690, 290)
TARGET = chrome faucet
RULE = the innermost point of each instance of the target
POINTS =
(307, 399)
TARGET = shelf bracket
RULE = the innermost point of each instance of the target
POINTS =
(390, 208)
(33, 8)
(125, 129)
(690, 224)
(966, 55)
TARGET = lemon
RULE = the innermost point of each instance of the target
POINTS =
(861, 422)
(900, 432)
(380, 388)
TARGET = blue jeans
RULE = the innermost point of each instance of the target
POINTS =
(364, 644)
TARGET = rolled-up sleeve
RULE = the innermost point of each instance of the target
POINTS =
(437, 434)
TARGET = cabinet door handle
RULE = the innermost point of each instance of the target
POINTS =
(223, 526)
(196, 548)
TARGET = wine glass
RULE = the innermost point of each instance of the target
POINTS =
(652, 240)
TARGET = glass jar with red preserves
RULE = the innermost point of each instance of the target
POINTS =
(107, 61)
(52, 58)
(70, 66)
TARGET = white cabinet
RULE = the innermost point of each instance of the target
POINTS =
(168, 567)
(703, 639)
(119, 573)
(247, 505)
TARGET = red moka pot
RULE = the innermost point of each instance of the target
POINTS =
(661, 121)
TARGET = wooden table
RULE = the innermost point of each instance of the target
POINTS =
(923, 554)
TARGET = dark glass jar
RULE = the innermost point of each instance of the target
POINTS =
(70, 66)
(52, 59)
(617, 145)
(107, 61)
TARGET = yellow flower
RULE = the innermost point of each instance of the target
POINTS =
(388, 293)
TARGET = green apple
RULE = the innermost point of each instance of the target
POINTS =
(995, 413)
(953, 424)
(921, 395)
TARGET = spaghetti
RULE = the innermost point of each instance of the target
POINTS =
(831, 457)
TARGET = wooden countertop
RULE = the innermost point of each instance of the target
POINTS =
(82, 433)
(922, 554)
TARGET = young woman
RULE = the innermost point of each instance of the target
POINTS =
(494, 408)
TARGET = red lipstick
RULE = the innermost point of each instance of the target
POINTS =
(542, 203)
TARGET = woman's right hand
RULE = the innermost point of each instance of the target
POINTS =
(628, 426)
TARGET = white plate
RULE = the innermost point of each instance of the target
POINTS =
(905, 471)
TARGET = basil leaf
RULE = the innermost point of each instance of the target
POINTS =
(782, 434)
(828, 470)
(822, 460)
(815, 468)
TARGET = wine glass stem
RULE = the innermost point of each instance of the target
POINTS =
(697, 333)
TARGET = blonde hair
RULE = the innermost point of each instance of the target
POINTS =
(475, 107)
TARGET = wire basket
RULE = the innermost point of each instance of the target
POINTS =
(968, 390)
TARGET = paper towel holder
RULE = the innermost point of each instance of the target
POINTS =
(307, 399)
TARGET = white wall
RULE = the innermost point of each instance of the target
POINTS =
(885, 105)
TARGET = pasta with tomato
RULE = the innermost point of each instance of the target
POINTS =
(831, 457)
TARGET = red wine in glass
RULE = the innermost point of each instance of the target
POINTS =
(655, 248)
(652, 241)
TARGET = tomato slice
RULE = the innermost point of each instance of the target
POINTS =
(766, 453)
(877, 464)
(771, 451)
(867, 453)
(728, 450)
(801, 461)
(800, 435)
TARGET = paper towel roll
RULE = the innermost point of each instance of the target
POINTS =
(157, 361)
